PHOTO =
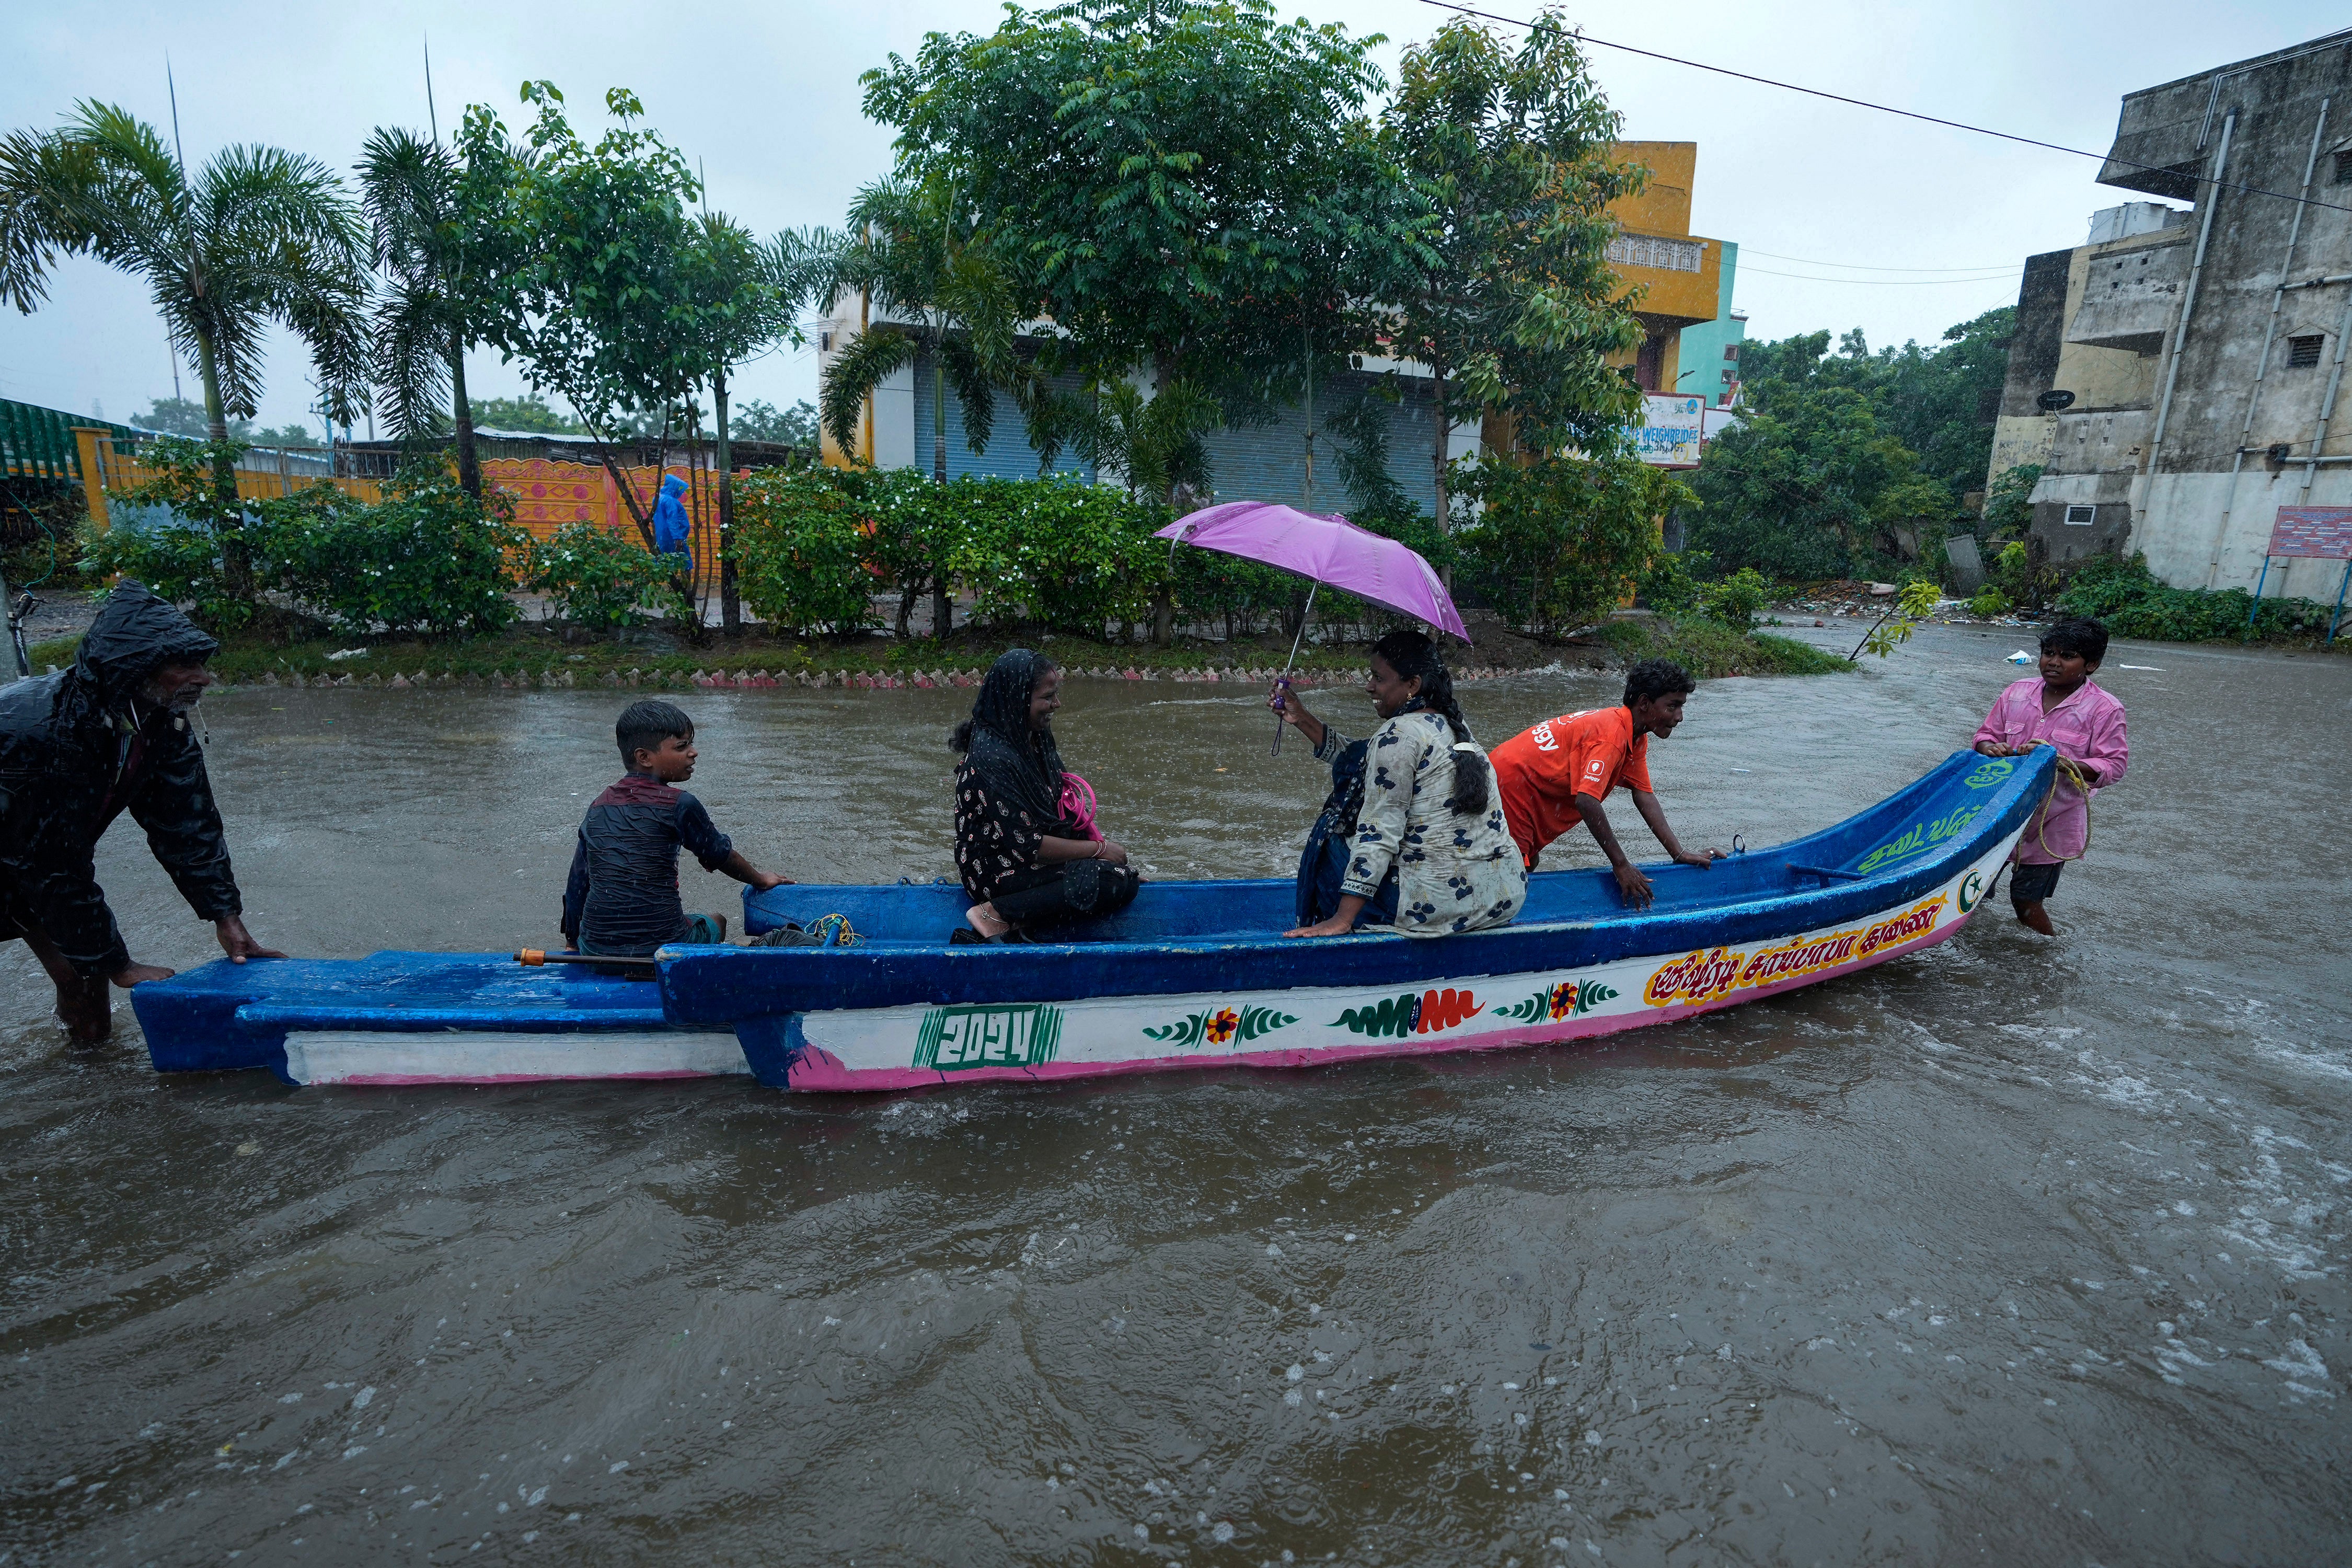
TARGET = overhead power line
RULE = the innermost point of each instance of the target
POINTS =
(1883, 282)
(1888, 108)
(1859, 267)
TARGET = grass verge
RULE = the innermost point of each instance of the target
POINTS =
(536, 651)
(1710, 650)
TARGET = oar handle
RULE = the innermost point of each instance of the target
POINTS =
(532, 958)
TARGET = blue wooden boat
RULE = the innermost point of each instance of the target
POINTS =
(1190, 975)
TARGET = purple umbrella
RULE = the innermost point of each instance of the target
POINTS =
(1322, 549)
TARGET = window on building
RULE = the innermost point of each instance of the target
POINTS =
(2081, 516)
(1651, 250)
(2303, 352)
(1731, 351)
(2344, 167)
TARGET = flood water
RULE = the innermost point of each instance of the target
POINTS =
(2016, 1251)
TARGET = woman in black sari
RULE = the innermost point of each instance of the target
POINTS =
(1026, 860)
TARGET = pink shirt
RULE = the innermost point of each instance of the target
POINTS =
(2088, 727)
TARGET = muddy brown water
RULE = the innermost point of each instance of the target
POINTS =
(2014, 1251)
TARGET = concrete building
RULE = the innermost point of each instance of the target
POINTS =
(2178, 374)
(1686, 283)
(1710, 352)
(1684, 280)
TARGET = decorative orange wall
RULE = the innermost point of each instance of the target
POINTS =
(550, 495)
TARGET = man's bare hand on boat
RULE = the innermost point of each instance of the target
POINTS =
(1633, 885)
(238, 941)
(235, 941)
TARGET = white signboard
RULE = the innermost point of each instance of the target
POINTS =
(1669, 435)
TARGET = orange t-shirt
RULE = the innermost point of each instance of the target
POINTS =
(1542, 771)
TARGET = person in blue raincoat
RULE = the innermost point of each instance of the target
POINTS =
(672, 527)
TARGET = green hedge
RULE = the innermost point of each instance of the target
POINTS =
(815, 549)
(2128, 600)
(427, 558)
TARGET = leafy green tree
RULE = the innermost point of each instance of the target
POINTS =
(185, 417)
(756, 419)
(1195, 186)
(1813, 481)
(288, 436)
(259, 238)
(2009, 501)
(1511, 303)
(1940, 403)
(594, 292)
(1944, 400)
(745, 299)
(1559, 541)
(433, 230)
(530, 412)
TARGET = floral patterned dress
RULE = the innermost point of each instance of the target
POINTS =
(995, 839)
(1456, 873)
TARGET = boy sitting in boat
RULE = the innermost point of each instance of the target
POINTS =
(1555, 775)
(622, 899)
(2062, 707)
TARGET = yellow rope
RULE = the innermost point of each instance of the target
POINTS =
(2072, 771)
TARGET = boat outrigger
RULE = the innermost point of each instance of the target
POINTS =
(1190, 975)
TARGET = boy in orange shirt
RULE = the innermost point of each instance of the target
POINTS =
(1556, 774)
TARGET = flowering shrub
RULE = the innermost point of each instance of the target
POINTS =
(180, 537)
(427, 558)
(600, 579)
(803, 550)
(1058, 553)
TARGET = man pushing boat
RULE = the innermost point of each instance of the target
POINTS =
(1556, 774)
(77, 750)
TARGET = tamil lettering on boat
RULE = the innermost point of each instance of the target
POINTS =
(1697, 976)
(1921, 838)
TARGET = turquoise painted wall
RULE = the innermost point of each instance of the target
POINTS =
(1700, 363)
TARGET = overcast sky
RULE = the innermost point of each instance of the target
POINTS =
(767, 97)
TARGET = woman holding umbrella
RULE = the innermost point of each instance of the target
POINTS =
(1413, 828)
(1414, 831)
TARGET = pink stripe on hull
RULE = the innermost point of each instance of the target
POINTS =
(411, 1077)
(821, 1072)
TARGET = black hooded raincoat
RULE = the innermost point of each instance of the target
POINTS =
(78, 749)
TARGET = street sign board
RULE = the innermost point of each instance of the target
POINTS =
(1669, 435)
(2321, 531)
(2052, 401)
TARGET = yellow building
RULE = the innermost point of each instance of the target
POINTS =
(1678, 273)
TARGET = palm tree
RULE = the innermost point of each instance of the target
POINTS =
(259, 237)
(948, 302)
(417, 192)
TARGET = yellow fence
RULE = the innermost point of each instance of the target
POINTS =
(547, 495)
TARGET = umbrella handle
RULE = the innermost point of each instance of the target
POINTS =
(1284, 680)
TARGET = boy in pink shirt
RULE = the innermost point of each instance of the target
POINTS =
(2059, 707)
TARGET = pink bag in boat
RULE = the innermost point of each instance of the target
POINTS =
(1078, 806)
